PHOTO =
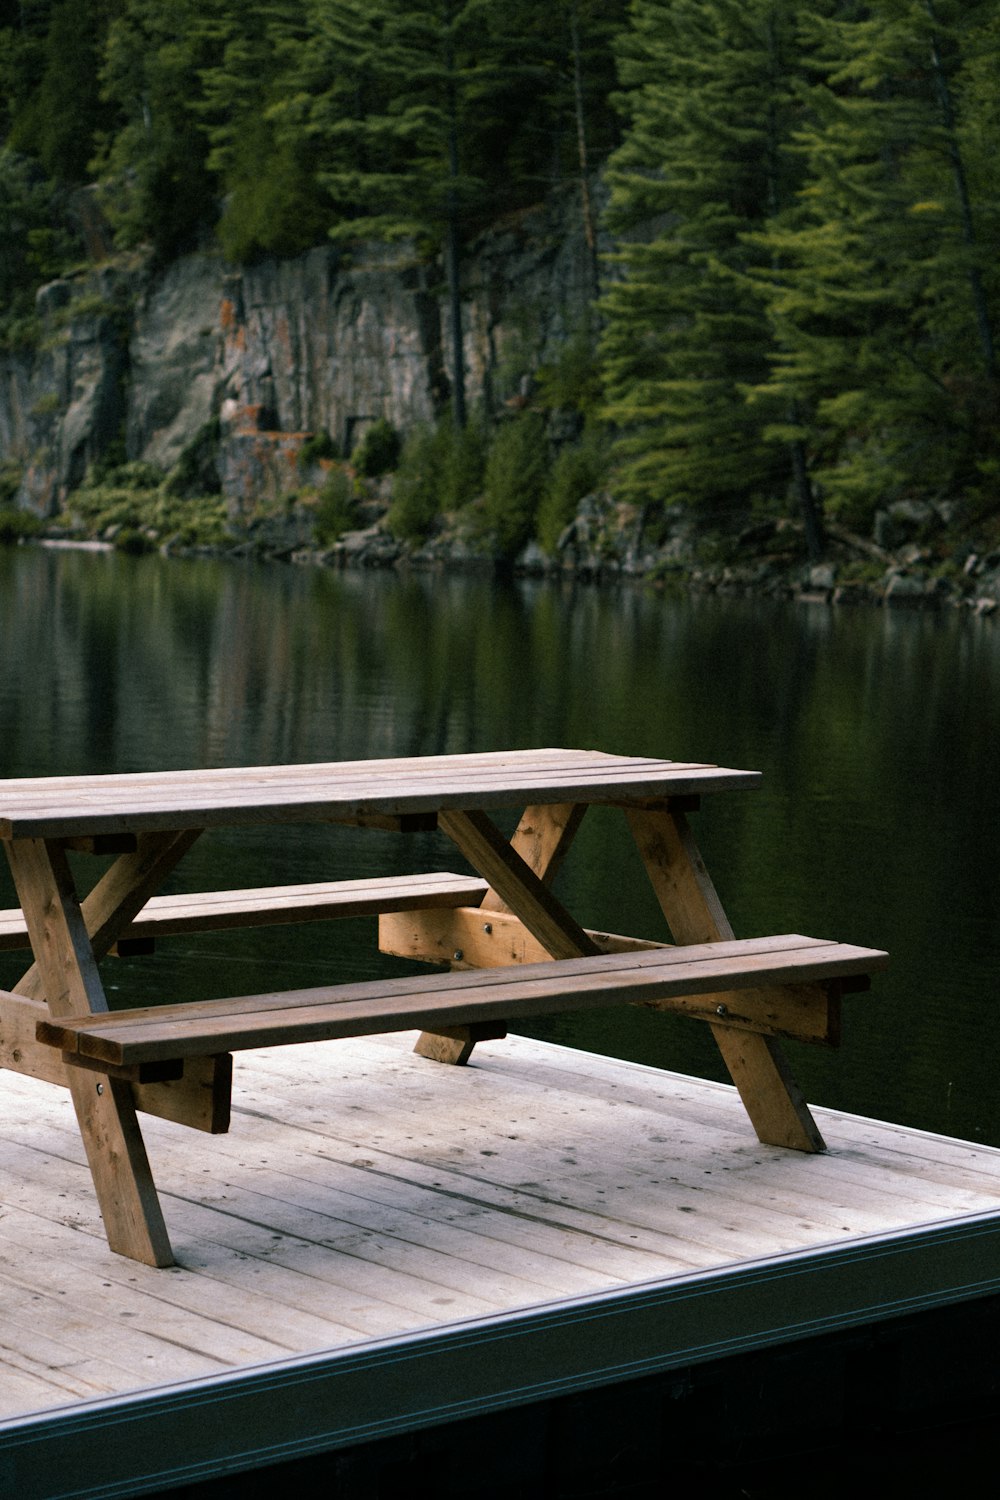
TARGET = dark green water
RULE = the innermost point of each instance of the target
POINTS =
(877, 732)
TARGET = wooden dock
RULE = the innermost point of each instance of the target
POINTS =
(381, 1245)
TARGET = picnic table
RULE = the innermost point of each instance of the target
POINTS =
(513, 949)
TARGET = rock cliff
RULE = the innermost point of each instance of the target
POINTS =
(226, 370)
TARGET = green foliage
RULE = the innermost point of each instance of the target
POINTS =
(578, 470)
(572, 380)
(152, 163)
(17, 525)
(136, 475)
(881, 287)
(133, 542)
(11, 474)
(280, 120)
(337, 510)
(379, 450)
(319, 445)
(265, 164)
(56, 116)
(808, 294)
(711, 108)
(196, 471)
(417, 488)
(463, 453)
(130, 498)
(35, 238)
(516, 470)
(440, 471)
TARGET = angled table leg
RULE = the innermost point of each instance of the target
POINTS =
(66, 970)
(519, 873)
(773, 1100)
(120, 895)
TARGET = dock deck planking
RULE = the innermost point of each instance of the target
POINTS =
(365, 1194)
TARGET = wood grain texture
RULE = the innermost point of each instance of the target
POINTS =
(362, 1194)
(65, 807)
(518, 887)
(199, 1099)
(541, 840)
(107, 910)
(694, 914)
(480, 938)
(493, 995)
(211, 911)
(105, 1109)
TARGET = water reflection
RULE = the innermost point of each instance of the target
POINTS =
(876, 732)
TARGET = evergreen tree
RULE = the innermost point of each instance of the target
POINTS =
(57, 117)
(34, 235)
(273, 204)
(880, 290)
(412, 104)
(154, 178)
(710, 102)
(564, 124)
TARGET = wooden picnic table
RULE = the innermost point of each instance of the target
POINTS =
(499, 931)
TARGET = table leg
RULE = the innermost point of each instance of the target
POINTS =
(542, 839)
(519, 873)
(66, 969)
(776, 1106)
(120, 895)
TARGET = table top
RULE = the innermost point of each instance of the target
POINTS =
(134, 802)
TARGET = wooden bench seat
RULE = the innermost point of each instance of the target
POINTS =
(209, 911)
(787, 982)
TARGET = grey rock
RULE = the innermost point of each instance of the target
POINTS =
(264, 356)
(905, 588)
(822, 576)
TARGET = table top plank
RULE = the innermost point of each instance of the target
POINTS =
(54, 807)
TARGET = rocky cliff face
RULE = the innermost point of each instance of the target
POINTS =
(226, 371)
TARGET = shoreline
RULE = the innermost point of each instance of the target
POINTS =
(919, 557)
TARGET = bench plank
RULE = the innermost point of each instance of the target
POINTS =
(209, 911)
(478, 937)
(432, 1001)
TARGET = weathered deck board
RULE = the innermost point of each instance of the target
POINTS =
(365, 1193)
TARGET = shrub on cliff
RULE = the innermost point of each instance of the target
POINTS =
(516, 471)
(577, 471)
(16, 525)
(441, 469)
(337, 510)
(416, 495)
(379, 450)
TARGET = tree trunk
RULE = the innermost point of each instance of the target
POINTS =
(452, 249)
(589, 228)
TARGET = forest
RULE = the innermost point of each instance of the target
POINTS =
(792, 209)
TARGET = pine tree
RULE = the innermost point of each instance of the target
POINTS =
(710, 103)
(155, 184)
(57, 119)
(412, 105)
(879, 288)
(272, 201)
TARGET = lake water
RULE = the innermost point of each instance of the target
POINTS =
(877, 732)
